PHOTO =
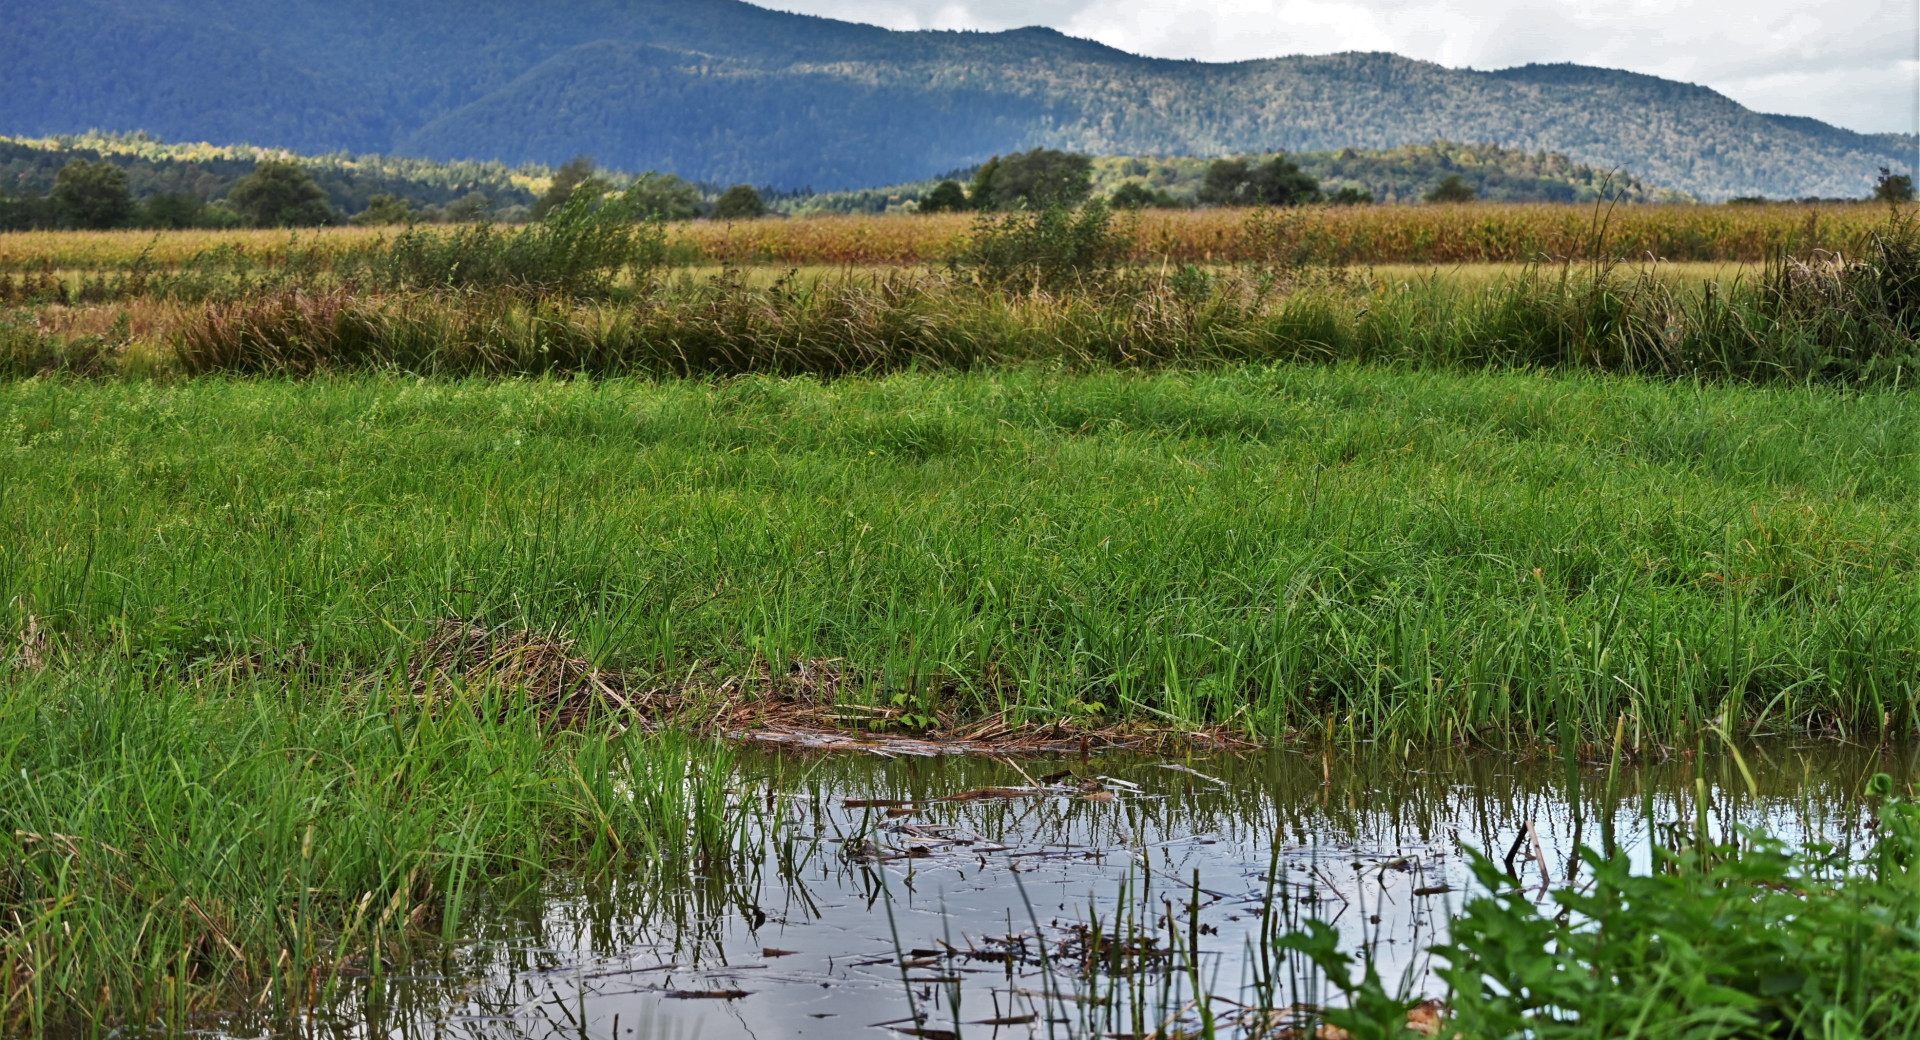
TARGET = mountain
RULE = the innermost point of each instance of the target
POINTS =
(719, 90)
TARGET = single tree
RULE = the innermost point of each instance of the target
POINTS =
(92, 194)
(1040, 178)
(1280, 182)
(1226, 184)
(1451, 189)
(740, 202)
(663, 196)
(946, 197)
(1893, 187)
(281, 194)
(172, 210)
(571, 175)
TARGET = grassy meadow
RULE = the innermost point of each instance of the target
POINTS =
(1436, 555)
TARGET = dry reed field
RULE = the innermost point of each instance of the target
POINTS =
(1467, 234)
(1461, 234)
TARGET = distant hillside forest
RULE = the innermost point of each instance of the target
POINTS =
(136, 181)
(187, 185)
(718, 91)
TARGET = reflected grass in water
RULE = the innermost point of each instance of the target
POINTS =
(1037, 915)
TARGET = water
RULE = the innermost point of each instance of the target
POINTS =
(920, 913)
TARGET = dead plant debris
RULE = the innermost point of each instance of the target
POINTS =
(810, 704)
(31, 654)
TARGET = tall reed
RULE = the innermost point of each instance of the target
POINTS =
(1543, 319)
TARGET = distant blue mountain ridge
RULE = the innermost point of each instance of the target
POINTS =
(722, 91)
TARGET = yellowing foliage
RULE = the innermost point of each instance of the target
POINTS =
(1436, 234)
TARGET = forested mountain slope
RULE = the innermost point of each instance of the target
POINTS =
(720, 90)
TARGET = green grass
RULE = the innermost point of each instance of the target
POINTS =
(182, 854)
(1425, 555)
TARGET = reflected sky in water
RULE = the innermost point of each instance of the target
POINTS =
(863, 918)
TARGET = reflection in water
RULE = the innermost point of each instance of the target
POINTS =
(874, 899)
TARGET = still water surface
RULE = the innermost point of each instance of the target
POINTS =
(877, 907)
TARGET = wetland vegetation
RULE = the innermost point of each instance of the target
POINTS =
(354, 587)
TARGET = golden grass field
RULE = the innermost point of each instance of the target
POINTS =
(1482, 233)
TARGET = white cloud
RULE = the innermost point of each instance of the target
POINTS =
(1849, 62)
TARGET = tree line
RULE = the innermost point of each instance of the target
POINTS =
(1045, 177)
(97, 194)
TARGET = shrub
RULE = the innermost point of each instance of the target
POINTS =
(1452, 189)
(1893, 187)
(980, 192)
(946, 197)
(1045, 250)
(1135, 195)
(664, 196)
(172, 210)
(384, 211)
(471, 208)
(740, 202)
(571, 175)
(578, 250)
(25, 211)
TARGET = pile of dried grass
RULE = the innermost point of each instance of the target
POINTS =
(810, 703)
(546, 668)
(808, 706)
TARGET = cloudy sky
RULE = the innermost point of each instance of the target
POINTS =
(1849, 62)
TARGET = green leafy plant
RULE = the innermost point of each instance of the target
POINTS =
(1046, 250)
(1744, 939)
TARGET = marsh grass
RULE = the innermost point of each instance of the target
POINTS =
(1428, 555)
(1039, 288)
(187, 853)
(1551, 320)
